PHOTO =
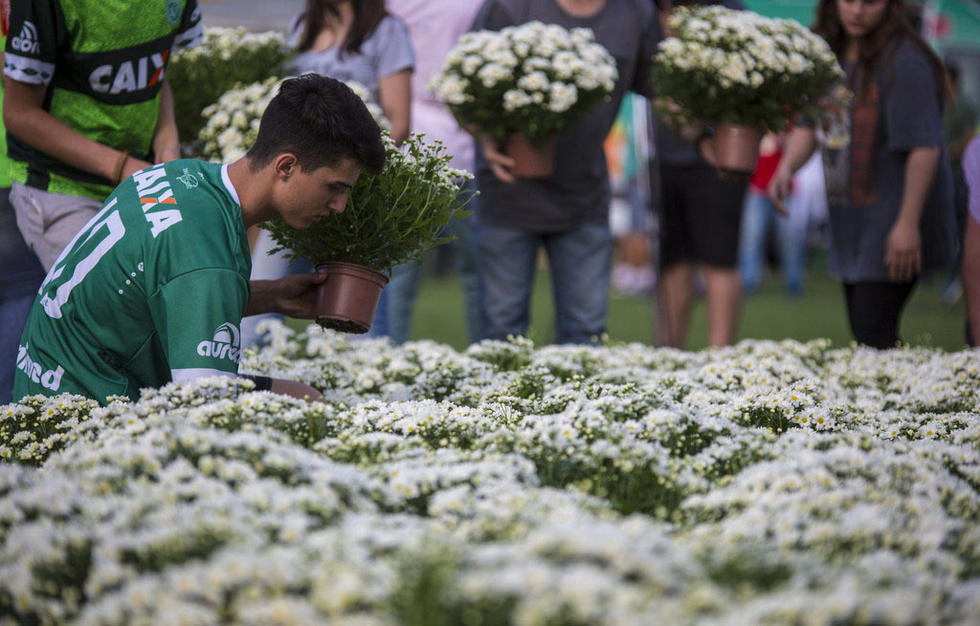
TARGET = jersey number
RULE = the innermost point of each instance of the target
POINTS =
(105, 221)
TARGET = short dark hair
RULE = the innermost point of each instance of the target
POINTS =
(321, 121)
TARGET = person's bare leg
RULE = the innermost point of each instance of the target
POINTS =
(724, 297)
(676, 295)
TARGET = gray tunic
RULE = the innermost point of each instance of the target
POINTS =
(578, 192)
(386, 51)
(909, 115)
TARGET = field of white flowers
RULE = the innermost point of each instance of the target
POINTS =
(779, 483)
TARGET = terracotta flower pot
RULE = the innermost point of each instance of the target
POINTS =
(532, 160)
(348, 298)
(736, 148)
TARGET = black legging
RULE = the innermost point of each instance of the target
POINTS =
(874, 309)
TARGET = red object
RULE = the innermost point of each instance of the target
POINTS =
(765, 170)
(5, 16)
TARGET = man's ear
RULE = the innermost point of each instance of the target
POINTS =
(285, 165)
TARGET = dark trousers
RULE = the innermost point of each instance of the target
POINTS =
(874, 309)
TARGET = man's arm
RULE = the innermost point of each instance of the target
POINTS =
(800, 144)
(26, 119)
(166, 142)
(294, 296)
(285, 387)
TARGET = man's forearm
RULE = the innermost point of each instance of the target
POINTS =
(263, 299)
(24, 118)
(166, 140)
(799, 147)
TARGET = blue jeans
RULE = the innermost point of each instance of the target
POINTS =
(580, 262)
(13, 316)
(757, 218)
(394, 315)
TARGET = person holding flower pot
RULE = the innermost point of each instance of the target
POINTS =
(889, 183)
(356, 41)
(566, 212)
(700, 213)
(155, 286)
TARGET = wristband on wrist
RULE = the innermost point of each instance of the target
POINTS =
(117, 172)
(262, 383)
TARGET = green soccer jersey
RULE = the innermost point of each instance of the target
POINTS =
(152, 289)
(103, 63)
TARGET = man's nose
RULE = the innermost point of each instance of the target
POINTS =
(339, 202)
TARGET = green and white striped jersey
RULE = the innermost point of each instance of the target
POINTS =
(103, 62)
(152, 289)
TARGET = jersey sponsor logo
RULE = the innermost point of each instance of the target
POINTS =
(50, 379)
(129, 76)
(26, 41)
(156, 195)
(173, 11)
(189, 180)
(226, 344)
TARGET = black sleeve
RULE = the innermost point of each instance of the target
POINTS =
(35, 41)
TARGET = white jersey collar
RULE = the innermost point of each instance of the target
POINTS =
(231, 188)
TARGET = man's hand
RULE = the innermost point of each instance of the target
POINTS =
(499, 163)
(294, 296)
(780, 188)
(903, 252)
(295, 389)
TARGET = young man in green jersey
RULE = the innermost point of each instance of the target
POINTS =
(155, 286)
(86, 104)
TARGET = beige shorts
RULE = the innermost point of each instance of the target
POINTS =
(49, 221)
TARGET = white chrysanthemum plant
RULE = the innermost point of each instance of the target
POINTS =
(742, 74)
(738, 67)
(763, 483)
(530, 80)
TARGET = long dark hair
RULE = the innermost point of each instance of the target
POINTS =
(879, 45)
(367, 15)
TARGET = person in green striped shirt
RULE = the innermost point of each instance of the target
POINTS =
(86, 104)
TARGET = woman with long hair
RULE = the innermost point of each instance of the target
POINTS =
(358, 40)
(889, 185)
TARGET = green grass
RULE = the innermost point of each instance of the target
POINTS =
(768, 314)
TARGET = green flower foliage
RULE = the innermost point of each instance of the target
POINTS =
(393, 217)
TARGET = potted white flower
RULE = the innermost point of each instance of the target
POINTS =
(391, 218)
(523, 85)
(742, 73)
